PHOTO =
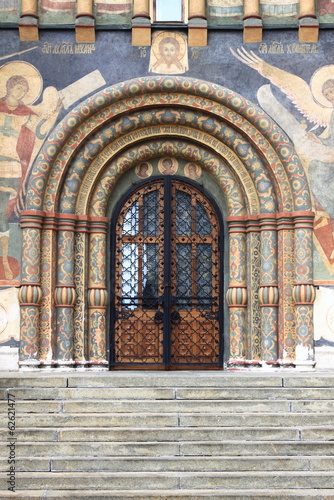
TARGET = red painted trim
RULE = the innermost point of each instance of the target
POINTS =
(313, 16)
(85, 14)
(29, 304)
(252, 16)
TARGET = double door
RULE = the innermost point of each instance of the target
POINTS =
(166, 281)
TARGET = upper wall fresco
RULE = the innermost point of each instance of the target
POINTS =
(40, 82)
(119, 12)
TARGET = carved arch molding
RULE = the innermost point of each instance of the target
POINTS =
(63, 295)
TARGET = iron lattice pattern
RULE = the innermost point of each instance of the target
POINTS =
(167, 277)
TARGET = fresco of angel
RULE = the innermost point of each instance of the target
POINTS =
(23, 128)
(316, 103)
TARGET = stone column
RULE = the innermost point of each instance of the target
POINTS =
(303, 290)
(269, 289)
(28, 24)
(254, 351)
(237, 291)
(65, 290)
(80, 278)
(141, 23)
(85, 22)
(47, 310)
(252, 21)
(97, 292)
(30, 294)
(308, 23)
(286, 279)
(197, 24)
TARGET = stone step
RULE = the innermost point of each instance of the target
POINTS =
(213, 494)
(140, 434)
(173, 480)
(163, 393)
(168, 379)
(169, 449)
(171, 420)
(171, 464)
(161, 406)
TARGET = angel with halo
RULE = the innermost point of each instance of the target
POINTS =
(316, 103)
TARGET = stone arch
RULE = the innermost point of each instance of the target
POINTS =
(270, 292)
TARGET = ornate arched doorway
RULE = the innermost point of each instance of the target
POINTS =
(269, 293)
(166, 295)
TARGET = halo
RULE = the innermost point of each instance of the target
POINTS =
(165, 34)
(29, 72)
(319, 77)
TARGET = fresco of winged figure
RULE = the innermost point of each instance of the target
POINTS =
(315, 101)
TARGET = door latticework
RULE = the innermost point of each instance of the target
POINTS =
(167, 255)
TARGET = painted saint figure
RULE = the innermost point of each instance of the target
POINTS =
(168, 166)
(169, 54)
(316, 103)
(23, 128)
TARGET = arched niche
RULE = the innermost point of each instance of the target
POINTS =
(64, 295)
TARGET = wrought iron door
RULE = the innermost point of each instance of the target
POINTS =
(166, 278)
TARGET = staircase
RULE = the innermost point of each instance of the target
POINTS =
(173, 435)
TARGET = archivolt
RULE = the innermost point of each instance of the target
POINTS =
(270, 291)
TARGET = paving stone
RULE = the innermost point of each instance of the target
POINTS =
(52, 449)
(256, 420)
(97, 420)
(319, 433)
(177, 434)
(29, 434)
(312, 406)
(240, 494)
(27, 381)
(33, 407)
(309, 381)
(96, 393)
(27, 464)
(95, 481)
(175, 464)
(257, 480)
(251, 393)
(255, 448)
(174, 405)
(185, 379)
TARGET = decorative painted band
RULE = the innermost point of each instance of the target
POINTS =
(85, 14)
(28, 14)
(237, 296)
(30, 295)
(303, 294)
(252, 16)
(97, 298)
(313, 16)
(141, 14)
(268, 295)
(101, 362)
(65, 296)
(197, 16)
(243, 362)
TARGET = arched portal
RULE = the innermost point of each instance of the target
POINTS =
(257, 176)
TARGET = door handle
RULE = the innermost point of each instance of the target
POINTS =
(158, 318)
(175, 317)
